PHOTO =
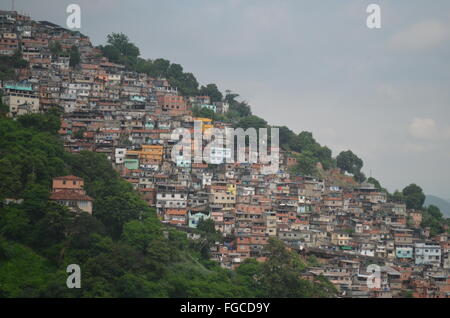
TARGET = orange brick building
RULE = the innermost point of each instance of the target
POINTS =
(172, 104)
(68, 191)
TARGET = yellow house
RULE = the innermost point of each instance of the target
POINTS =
(206, 122)
(153, 152)
(203, 119)
(148, 152)
(231, 188)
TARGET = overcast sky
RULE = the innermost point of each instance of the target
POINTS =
(310, 65)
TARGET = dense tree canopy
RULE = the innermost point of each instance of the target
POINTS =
(120, 50)
(308, 151)
(413, 196)
(251, 121)
(306, 164)
(433, 219)
(122, 43)
(212, 91)
(237, 108)
(280, 275)
(74, 55)
(349, 162)
(9, 64)
(375, 182)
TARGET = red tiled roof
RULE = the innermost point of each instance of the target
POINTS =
(176, 212)
(70, 195)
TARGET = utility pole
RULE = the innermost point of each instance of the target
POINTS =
(12, 5)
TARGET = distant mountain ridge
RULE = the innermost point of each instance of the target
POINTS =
(442, 204)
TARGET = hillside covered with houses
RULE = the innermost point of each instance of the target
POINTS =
(86, 133)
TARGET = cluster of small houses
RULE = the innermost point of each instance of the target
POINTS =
(129, 117)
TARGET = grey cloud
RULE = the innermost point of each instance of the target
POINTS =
(421, 36)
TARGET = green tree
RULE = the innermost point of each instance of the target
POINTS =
(349, 162)
(306, 164)
(120, 50)
(15, 224)
(8, 64)
(304, 141)
(409, 294)
(251, 121)
(414, 196)
(433, 218)
(280, 275)
(10, 176)
(23, 273)
(74, 55)
(55, 48)
(397, 196)
(79, 134)
(42, 122)
(203, 112)
(137, 286)
(375, 182)
(248, 274)
(287, 137)
(207, 229)
(237, 109)
(212, 91)
(359, 177)
(17, 60)
(142, 234)
(122, 43)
